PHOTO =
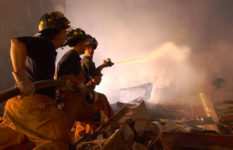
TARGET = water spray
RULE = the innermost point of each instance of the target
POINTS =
(156, 54)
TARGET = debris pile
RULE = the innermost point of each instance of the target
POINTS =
(165, 126)
(225, 113)
(129, 129)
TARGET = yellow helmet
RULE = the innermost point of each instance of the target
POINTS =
(53, 21)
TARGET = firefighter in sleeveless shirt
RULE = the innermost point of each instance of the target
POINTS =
(35, 115)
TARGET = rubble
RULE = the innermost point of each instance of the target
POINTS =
(225, 113)
(141, 125)
(133, 130)
(171, 127)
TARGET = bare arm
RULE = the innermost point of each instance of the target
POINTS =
(18, 53)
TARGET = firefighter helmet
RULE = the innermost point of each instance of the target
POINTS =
(91, 41)
(75, 36)
(53, 21)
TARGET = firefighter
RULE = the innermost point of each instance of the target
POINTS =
(93, 74)
(34, 115)
(69, 68)
(79, 102)
(98, 100)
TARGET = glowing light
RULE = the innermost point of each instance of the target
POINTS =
(156, 54)
(208, 107)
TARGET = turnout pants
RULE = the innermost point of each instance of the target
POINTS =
(100, 104)
(37, 118)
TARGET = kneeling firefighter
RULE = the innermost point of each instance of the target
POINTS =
(93, 77)
(79, 103)
(69, 68)
(35, 116)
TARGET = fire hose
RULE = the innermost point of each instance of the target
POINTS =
(12, 92)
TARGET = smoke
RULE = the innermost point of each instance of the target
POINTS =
(196, 34)
(171, 72)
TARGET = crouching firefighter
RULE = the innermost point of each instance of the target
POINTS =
(34, 115)
(69, 68)
(93, 77)
(79, 105)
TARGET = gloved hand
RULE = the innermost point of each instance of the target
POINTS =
(97, 79)
(90, 85)
(107, 62)
(26, 86)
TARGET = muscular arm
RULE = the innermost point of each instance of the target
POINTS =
(18, 53)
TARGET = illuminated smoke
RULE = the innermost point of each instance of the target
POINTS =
(168, 68)
(129, 29)
(156, 54)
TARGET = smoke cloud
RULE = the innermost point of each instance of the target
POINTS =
(197, 36)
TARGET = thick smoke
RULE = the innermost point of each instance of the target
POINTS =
(197, 34)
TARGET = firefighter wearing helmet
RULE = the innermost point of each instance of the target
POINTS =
(91, 42)
(33, 114)
(93, 74)
(82, 95)
(98, 101)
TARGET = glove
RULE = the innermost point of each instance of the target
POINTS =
(26, 86)
(96, 79)
(90, 85)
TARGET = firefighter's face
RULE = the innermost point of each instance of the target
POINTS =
(83, 46)
(60, 38)
(90, 50)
